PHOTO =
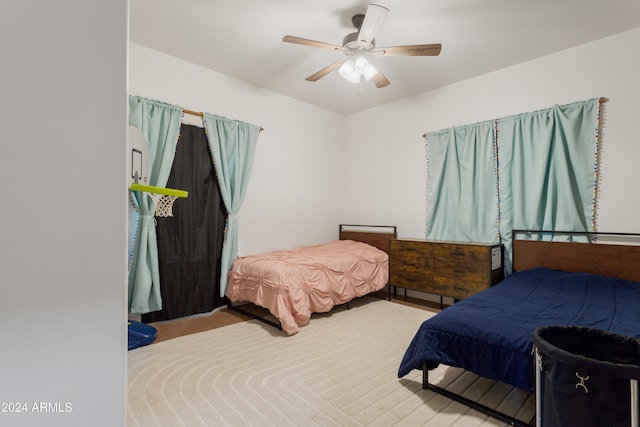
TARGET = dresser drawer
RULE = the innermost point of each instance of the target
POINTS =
(446, 268)
(462, 269)
(461, 253)
(411, 265)
(457, 287)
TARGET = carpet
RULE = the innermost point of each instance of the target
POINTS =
(340, 370)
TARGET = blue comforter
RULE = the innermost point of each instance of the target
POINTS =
(491, 333)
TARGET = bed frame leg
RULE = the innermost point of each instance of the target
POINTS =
(470, 403)
(250, 315)
(635, 417)
(425, 376)
(537, 365)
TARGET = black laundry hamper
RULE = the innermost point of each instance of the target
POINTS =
(586, 377)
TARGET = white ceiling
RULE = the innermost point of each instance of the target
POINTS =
(243, 39)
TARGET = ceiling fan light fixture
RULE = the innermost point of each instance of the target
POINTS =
(347, 69)
(355, 68)
(349, 72)
(360, 63)
(369, 72)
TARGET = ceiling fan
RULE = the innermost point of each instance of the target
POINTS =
(360, 44)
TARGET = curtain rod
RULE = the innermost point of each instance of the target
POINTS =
(600, 100)
(201, 115)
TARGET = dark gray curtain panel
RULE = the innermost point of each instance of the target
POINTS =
(190, 242)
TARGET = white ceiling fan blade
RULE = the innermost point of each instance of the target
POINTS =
(373, 20)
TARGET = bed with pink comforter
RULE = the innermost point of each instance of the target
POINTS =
(293, 284)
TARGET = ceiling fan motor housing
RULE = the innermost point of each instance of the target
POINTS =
(350, 41)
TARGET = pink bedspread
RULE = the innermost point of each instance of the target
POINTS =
(293, 284)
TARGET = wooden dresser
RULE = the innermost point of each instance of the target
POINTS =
(450, 269)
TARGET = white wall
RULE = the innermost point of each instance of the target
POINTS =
(63, 216)
(295, 194)
(385, 180)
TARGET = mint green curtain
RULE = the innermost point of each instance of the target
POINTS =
(462, 199)
(232, 144)
(160, 124)
(547, 170)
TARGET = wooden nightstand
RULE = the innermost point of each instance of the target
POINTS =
(450, 269)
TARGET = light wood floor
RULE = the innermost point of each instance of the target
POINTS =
(202, 322)
(198, 323)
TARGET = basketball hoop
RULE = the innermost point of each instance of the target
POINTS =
(163, 198)
(163, 204)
